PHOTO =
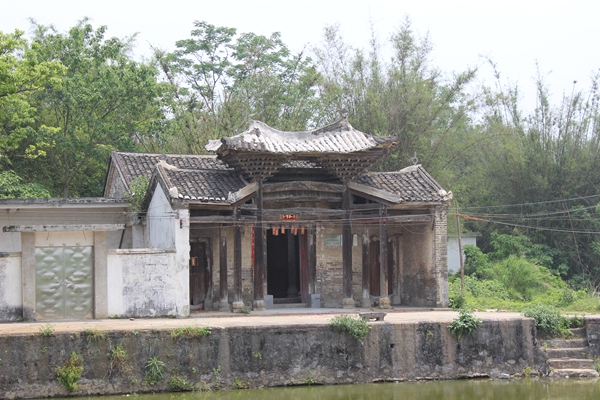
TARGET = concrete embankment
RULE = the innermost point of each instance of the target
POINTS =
(259, 351)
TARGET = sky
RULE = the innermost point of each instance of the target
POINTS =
(558, 38)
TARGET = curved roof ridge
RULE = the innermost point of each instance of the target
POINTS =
(336, 137)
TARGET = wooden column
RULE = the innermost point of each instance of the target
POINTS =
(259, 253)
(238, 301)
(347, 300)
(223, 289)
(312, 259)
(384, 299)
(366, 250)
(292, 267)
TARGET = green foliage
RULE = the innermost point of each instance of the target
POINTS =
(356, 327)
(120, 359)
(309, 380)
(257, 355)
(22, 75)
(95, 334)
(465, 324)
(549, 320)
(239, 384)
(227, 78)
(137, 193)
(178, 383)
(456, 300)
(105, 102)
(47, 330)
(12, 187)
(70, 373)
(154, 370)
(190, 331)
(476, 262)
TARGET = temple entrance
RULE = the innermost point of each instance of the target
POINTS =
(200, 268)
(286, 262)
(374, 269)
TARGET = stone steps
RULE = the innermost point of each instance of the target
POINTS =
(570, 363)
(569, 352)
(565, 343)
(570, 357)
(574, 373)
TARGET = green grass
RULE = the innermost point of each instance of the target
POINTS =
(190, 331)
(356, 327)
(47, 330)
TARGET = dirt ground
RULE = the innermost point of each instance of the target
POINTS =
(275, 317)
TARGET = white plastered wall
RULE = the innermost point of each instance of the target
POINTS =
(11, 295)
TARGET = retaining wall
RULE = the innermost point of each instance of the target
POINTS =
(272, 356)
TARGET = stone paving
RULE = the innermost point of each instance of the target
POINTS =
(273, 317)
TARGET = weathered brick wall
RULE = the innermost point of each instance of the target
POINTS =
(440, 248)
(419, 287)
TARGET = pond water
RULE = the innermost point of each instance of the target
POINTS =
(518, 389)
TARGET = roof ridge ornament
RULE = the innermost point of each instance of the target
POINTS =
(414, 159)
(344, 113)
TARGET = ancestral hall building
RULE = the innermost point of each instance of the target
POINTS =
(293, 217)
(272, 218)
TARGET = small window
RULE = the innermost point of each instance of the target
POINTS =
(333, 240)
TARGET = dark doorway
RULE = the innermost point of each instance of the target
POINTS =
(199, 274)
(286, 257)
(374, 268)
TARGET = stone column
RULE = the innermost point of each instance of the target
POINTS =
(259, 254)
(223, 289)
(384, 299)
(28, 274)
(238, 301)
(347, 300)
(366, 250)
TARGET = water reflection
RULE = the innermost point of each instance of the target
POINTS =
(529, 389)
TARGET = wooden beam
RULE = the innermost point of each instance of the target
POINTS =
(375, 194)
(304, 185)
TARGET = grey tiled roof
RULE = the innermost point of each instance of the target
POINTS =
(133, 165)
(338, 137)
(203, 185)
(205, 178)
(411, 184)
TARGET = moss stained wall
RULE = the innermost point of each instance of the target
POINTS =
(273, 356)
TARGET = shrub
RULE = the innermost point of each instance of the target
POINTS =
(47, 330)
(178, 383)
(154, 370)
(70, 373)
(548, 320)
(465, 324)
(356, 327)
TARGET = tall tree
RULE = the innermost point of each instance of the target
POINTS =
(408, 96)
(220, 78)
(21, 76)
(105, 102)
